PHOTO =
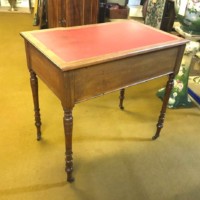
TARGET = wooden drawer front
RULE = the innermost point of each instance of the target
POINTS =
(107, 77)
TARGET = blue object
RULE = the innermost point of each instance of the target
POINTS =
(194, 95)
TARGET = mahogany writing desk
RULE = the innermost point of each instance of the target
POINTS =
(80, 63)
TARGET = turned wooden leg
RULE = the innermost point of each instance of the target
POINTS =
(34, 87)
(161, 118)
(121, 98)
(68, 126)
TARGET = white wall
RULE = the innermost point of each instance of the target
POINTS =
(120, 2)
(134, 2)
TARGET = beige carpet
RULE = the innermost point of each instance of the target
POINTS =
(114, 158)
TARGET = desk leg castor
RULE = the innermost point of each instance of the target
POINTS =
(70, 178)
(39, 137)
(155, 136)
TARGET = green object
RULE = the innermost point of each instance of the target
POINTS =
(179, 94)
(190, 21)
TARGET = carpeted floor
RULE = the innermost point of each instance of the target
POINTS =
(114, 158)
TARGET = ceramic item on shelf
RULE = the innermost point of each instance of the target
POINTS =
(188, 14)
(179, 94)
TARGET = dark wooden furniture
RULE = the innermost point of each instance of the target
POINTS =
(71, 12)
(102, 11)
(76, 65)
(168, 16)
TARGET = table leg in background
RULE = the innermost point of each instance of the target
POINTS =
(34, 87)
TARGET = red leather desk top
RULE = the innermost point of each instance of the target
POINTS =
(76, 47)
(91, 41)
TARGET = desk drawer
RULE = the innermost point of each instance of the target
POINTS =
(108, 77)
